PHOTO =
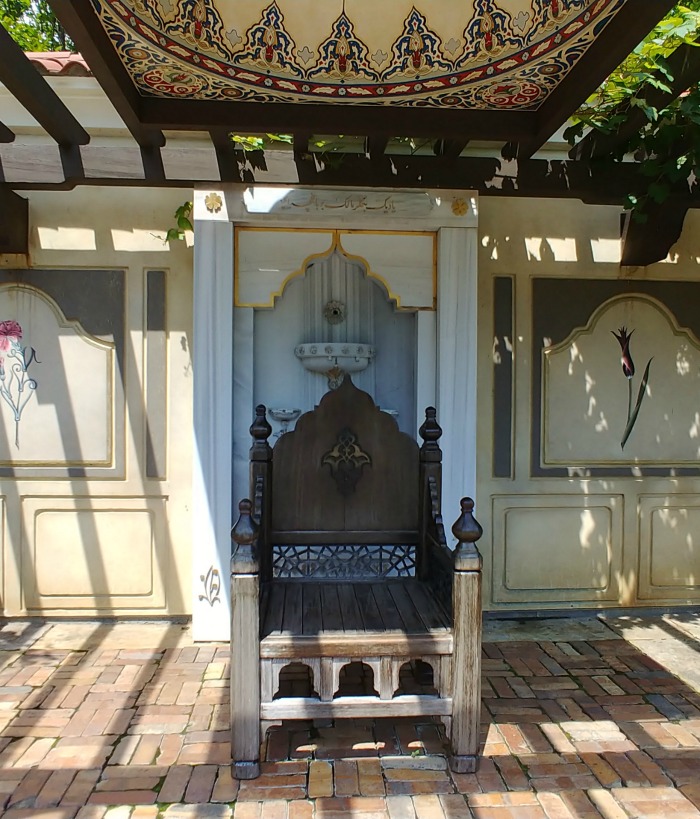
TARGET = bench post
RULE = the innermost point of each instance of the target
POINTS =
(466, 656)
(245, 647)
(261, 485)
(430, 460)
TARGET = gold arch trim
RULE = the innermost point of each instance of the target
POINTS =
(336, 244)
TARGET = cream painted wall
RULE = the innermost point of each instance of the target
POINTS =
(533, 525)
(573, 540)
(116, 541)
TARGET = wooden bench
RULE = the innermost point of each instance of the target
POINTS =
(346, 599)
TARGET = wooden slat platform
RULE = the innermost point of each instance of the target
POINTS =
(302, 618)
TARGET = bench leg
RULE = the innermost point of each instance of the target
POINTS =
(466, 672)
(245, 676)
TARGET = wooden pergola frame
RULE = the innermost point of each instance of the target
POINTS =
(588, 174)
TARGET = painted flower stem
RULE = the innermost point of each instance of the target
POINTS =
(16, 385)
(632, 417)
(629, 402)
(623, 338)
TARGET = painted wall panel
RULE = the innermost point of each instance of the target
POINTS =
(669, 547)
(556, 547)
(588, 400)
(94, 553)
(156, 374)
(570, 405)
(57, 385)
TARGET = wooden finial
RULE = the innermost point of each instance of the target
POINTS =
(467, 530)
(261, 430)
(244, 534)
(430, 430)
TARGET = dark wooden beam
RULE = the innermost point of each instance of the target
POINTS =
(451, 148)
(14, 222)
(375, 146)
(644, 243)
(6, 135)
(300, 142)
(25, 83)
(83, 27)
(684, 67)
(72, 162)
(153, 168)
(353, 120)
(622, 34)
(593, 182)
(225, 154)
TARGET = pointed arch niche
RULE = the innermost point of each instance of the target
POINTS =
(403, 265)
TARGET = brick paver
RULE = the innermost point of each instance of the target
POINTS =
(570, 730)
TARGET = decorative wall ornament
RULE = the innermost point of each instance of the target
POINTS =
(346, 461)
(623, 338)
(343, 560)
(213, 202)
(460, 206)
(436, 57)
(16, 386)
(334, 312)
(212, 586)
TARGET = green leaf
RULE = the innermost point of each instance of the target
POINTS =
(635, 412)
(659, 191)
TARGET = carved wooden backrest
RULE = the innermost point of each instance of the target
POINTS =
(345, 468)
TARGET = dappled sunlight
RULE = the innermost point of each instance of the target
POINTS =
(263, 200)
(539, 248)
(66, 238)
(607, 251)
(588, 527)
(142, 241)
(564, 250)
(576, 720)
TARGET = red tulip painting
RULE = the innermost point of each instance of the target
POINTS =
(16, 386)
(623, 338)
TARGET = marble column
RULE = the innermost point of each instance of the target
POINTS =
(456, 364)
(213, 378)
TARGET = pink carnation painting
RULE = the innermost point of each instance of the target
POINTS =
(16, 385)
(10, 333)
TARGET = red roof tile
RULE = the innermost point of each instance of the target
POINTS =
(59, 63)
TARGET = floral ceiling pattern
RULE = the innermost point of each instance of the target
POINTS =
(483, 54)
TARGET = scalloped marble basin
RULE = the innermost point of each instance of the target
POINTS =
(321, 356)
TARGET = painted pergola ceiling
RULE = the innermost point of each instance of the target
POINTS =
(504, 71)
(500, 55)
(480, 55)
(508, 71)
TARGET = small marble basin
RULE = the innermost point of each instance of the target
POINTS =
(321, 356)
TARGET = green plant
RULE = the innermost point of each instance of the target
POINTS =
(667, 144)
(182, 222)
(33, 25)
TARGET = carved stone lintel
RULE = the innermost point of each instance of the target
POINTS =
(244, 534)
(467, 530)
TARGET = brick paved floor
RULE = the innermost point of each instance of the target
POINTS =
(91, 729)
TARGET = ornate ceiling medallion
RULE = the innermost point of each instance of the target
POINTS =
(493, 56)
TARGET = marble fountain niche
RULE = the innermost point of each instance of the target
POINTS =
(333, 319)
